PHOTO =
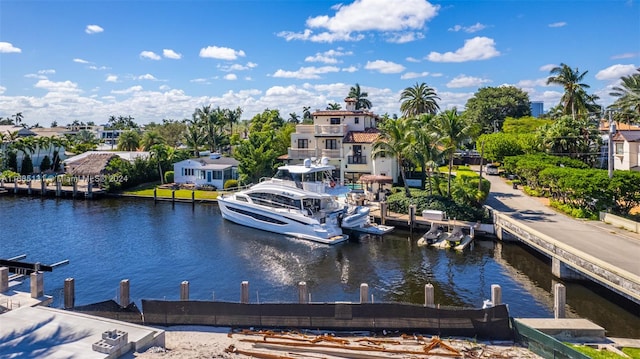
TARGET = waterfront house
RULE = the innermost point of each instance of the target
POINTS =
(213, 170)
(344, 136)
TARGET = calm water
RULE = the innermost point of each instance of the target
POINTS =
(158, 246)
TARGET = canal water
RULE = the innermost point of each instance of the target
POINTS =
(158, 246)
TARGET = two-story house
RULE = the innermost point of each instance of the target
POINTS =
(346, 137)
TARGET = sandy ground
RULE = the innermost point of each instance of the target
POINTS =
(204, 342)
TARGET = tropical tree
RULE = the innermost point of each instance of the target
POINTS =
(579, 139)
(490, 106)
(294, 118)
(628, 98)
(41, 142)
(453, 131)
(129, 141)
(362, 103)
(232, 117)
(151, 138)
(161, 153)
(393, 142)
(306, 113)
(121, 123)
(575, 96)
(194, 138)
(334, 106)
(427, 153)
(256, 156)
(418, 99)
(17, 118)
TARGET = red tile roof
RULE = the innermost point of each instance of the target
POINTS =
(367, 136)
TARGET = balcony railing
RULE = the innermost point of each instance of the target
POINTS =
(301, 153)
(356, 160)
(337, 153)
(305, 129)
(331, 130)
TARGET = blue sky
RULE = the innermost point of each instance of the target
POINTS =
(154, 60)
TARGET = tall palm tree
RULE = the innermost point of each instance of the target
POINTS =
(362, 103)
(194, 139)
(453, 131)
(628, 94)
(151, 138)
(306, 113)
(418, 99)
(425, 149)
(574, 89)
(232, 117)
(294, 118)
(129, 141)
(18, 118)
(41, 142)
(393, 142)
(334, 106)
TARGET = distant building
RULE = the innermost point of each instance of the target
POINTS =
(537, 108)
(214, 170)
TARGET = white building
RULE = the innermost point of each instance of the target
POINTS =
(346, 137)
(206, 171)
(626, 150)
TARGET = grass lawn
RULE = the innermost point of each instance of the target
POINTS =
(147, 191)
(603, 354)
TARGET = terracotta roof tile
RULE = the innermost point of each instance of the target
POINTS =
(367, 136)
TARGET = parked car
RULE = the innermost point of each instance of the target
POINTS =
(491, 169)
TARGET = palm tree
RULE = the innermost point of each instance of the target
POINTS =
(306, 113)
(129, 141)
(393, 142)
(194, 139)
(574, 90)
(18, 118)
(161, 153)
(231, 117)
(628, 94)
(424, 148)
(151, 138)
(41, 142)
(418, 99)
(334, 106)
(294, 118)
(452, 131)
(362, 103)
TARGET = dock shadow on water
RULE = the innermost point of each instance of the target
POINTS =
(156, 247)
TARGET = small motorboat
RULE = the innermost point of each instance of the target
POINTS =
(356, 218)
(433, 235)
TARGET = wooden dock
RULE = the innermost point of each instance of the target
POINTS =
(36, 188)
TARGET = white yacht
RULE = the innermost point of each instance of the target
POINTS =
(299, 201)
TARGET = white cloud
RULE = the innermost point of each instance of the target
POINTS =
(386, 16)
(170, 54)
(221, 53)
(466, 81)
(468, 29)
(384, 67)
(2, 89)
(230, 77)
(147, 77)
(164, 87)
(349, 69)
(47, 72)
(478, 48)
(236, 67)
(414, 75)
(404, 37)
(412, 59)
(99, 68)
(150, 55)
(558, 24)
(127, 91)
(547, 67)
(615, 72)
(112, 78)
(627, 55)
(310, 72)
(532, 83)
(80, 61)
(93, 29)
(61, 87)
(7, 48)
(328, 57)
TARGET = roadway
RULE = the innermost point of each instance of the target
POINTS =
(615, 246)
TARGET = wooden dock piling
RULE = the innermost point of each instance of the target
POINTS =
(69, 293)
(124, 293)
(429, 298)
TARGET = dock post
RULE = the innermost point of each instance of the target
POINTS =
(15, 185)
(4, 279)
(29, 187)
(559, 300)
(58, 186)
(412, 216)
(364, 293)
(75, 186)
(303, 294)
(37, 282)
(43, 186)
(124, 293)
(69, 293)
(90, 188)
(429, 298)
(193, 200)
(184, 290)
(155, 195)
(244, 293)
(173, 197)
(496, 294)
(383, 213)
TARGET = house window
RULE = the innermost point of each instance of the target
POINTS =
(331, 144)
(217, 175)
(619, 148)
(303, 143)
(357, 120)
(335, 120)
(202, 174)
(188, 171)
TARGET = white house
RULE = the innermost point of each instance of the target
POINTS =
(346, 137)
(214, 170)
(626, 150)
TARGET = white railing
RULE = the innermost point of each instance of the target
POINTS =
(301, 153)
(337, 153)
(305, 129)
(331, 130)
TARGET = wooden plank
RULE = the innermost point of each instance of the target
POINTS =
(24, 265)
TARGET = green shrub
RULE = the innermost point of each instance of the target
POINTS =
(168, 177)
(9, 175)
(397, 202)
(230, 184)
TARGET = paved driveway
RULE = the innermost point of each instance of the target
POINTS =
(613, 245)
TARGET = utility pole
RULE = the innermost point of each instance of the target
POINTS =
(481, 164)
(612, 132)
